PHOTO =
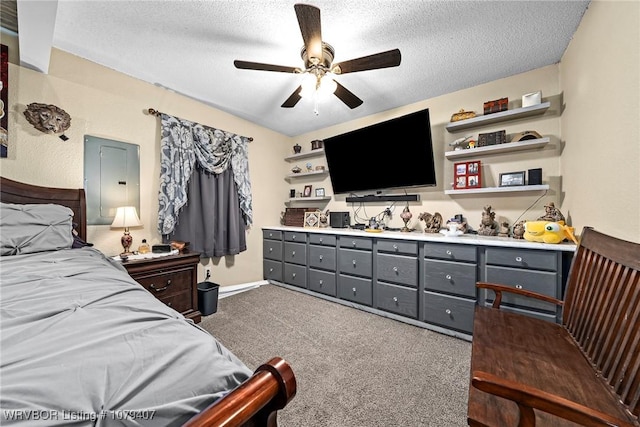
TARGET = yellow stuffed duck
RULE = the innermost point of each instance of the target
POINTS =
(548, 231)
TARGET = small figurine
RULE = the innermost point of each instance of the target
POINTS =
(432, 223)
(309, 167)
(488, 224)
(406, 216)
(324, 219)
(504, 229)
(551, 213)
(296, 149)
(518, 230)
(548, 232)
(460, 143)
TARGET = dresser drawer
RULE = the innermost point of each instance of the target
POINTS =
(355, 262)
(448, 311)
(356, 243)
(294, 236)
(355, 289)
(543, 282)
(179, 302)
(397, 299)
(450, 252)
(272, 270)
(272, 249)
(295, 253)
(295, 275)
(322, 239)
(398, 269)
(398, 247)
(164, 284)
(322, 281)
(450, 277)
(323, 257)
(272, 234)
(523, 258)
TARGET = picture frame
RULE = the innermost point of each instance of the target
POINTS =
(311, 220)
(467, 175)
(307, 191)
(319, 192)
(512, 179)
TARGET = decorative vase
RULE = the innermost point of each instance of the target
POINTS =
(297, 148)
(406, 216)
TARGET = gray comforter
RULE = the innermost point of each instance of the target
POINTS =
(84, 344)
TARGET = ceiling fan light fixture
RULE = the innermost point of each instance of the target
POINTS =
(327, 86)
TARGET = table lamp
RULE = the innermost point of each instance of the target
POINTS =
(126, 216)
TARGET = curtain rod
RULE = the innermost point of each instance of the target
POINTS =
(157, 114)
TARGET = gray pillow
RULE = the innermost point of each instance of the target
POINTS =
(34, 228)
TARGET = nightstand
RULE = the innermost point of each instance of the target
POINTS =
(172, 279)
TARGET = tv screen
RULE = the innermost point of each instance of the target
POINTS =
(397, 153)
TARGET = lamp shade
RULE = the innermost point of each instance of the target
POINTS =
(126, 216)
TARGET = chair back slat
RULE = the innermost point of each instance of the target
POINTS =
(602, 311)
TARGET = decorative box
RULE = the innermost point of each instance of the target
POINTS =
(462, 115)
(492, 138)
(533, 98)
(496, 106)
(294, 217)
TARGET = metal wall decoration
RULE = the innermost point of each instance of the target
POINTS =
(48, 118)
(4, 90)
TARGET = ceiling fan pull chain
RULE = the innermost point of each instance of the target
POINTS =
(315, 103)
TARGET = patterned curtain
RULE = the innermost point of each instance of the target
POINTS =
(182, 144)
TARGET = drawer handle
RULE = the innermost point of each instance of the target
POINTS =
(321, 240)
(270, 249)
(354, 262)
(320, 282)
(395, 247)
(519, 258)
(395, 299)
(353, 242)
(293, 275)
(518, 286)
(293, 253)
(293, 237)
(168, 304)
(354, 291)
(320, 257)
(448, 277)
(162, 288)
(448, 252)
(271, 270)
(270, 234)
(448, 311)
(395, 269)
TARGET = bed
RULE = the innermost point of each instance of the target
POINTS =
(83, 344)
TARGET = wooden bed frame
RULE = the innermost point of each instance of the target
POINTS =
(254, 403)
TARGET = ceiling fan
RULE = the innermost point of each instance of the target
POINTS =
(318, 61)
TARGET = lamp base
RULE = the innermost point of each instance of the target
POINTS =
(126, 240)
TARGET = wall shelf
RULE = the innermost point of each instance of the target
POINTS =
(502, 116)
(308, 199)
(490, 190)
(305, 155)
(496, 149)
(306, 174)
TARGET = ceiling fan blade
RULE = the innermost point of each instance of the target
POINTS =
(293, 99)
(309, 21)
(347, 96)
(390, 58)
(246, 65)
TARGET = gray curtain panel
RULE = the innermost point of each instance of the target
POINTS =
(212, 219)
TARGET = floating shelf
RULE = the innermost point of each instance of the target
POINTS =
(529, 144)
(308, 199)
(300, 156)
(502, 116)
(519, 188)
(306, 174)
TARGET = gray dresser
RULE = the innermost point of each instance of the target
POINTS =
(423, 279)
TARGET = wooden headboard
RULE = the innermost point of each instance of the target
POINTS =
(20, 193)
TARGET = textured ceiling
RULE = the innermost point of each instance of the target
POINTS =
(190, 46)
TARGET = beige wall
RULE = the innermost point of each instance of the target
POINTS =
(600, 78)
(592, 162)
(111, 105)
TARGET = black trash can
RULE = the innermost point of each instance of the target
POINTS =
(208, 297)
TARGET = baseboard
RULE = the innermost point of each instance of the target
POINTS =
(227, 291)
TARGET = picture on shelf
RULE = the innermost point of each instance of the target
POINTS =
(312, 219)
(307, 191)
(512, 179)
(467, 175)
(319, 192)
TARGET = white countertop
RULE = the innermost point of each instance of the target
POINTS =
(466, 239)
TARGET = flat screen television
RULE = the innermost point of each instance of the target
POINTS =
(396, 153)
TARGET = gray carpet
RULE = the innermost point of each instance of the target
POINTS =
(352, 368)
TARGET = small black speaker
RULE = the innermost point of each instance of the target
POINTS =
(339, 219)
(534, 176)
